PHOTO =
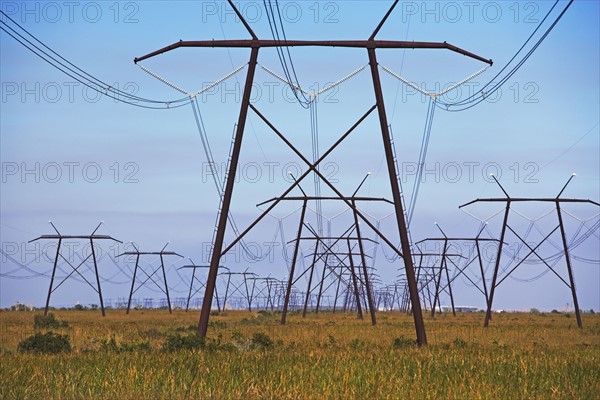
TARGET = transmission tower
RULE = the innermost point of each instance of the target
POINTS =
(446, 258)
(149, 277)
(533, 250)
(201, 284)
(370, 45)
(92, 254)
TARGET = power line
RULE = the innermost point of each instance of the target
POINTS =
(570, 147)
(481, 95)
(422, 157)
(40, 49)
(294, 83)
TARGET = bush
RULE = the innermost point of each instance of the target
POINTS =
(191, 327)
(112, 346)
(356, 344)
(48, 322)
(152, 333)
(261, 340)
(403, 342)
(179, 342)
(215, 324)
(330, 341)
(47, 343)
(237, 336)
(458, 342)
(265, 313)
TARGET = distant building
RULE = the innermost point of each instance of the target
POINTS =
(464, 309)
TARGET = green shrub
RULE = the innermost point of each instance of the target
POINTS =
(152, 333)
(331, 340)
(215, 324)
(458, 342)
(403, 342)
(356, 344)
(228, 347)
(47, 343)
(48, 322)
(237, 336)
(179, 342)
(191, 327)
(136, 346)
(111, 345)
(261, 340)
(265, 313)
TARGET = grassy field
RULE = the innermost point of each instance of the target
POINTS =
(331, 356)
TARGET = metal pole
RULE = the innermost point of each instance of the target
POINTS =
(402, 228)
(269, 299)
(485, 291)
(355, 283)
(569, 268)
(488, 313)
(217, 298)
(364, 267)
(97, 276)
(310, 276)
(162, 265)
(449, 287)
(288, 291)
(346, 298)
(248, 295)
(53, 275)
(428, 294)
(137, 259)
(445, 266)
(321, 285)
(187, 306)
(226, 290)
(337, 291)
(436, 297)
(226, 202)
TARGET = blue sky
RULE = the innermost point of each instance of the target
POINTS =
(144, 173)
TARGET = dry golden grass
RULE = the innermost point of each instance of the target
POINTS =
(520, 356)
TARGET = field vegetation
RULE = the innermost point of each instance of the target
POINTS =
(151, 354)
